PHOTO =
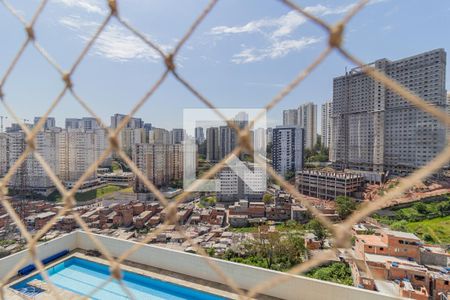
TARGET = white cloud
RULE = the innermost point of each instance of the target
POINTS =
(90, 6)
(282, 25)
(277, 32)
(275, 50)
(117, 44)
(288, 23)
(114, 43)
(77, 23)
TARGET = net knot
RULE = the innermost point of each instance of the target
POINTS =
(113, 141)
(69, 200)
(115, 272)
(244, 139)
(113, 6)
(31, 142)
(66, 78)
(336, 35)
(169, 62)
(172, 213)
(30, 32)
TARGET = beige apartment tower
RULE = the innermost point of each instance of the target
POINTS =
(326, 124)
(376, 129)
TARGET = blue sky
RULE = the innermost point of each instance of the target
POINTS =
(240, 56)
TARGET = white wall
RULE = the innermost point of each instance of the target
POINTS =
(44, 250)
(245, 276)
(296, 287)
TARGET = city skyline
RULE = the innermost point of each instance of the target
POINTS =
(252, 77)
(224, 149)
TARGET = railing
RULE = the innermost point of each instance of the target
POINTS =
(340, 232)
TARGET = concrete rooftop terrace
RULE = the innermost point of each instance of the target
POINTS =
(191, 270)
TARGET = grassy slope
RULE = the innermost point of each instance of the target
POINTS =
(438, 228)
(90, 195)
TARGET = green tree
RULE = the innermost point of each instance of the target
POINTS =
(211, 252)
(201, 150)
(421, 208)
(345, 206)
(272, 250)
(207, 201)
(443, 208)
(267, 198)
(318, 230)
(428, 238)
(400, 225)
(269, 150)
(279, 252)
(289, 175)
(337, 272)
(176, 184)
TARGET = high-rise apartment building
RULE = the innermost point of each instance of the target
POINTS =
(69, 153)
(50, 122)
(269, 135)
(326, 124)
(212, 144)
(130, 136)
(177, 135)
(247, 181)
(72, 123)
(229, 138)
(77, 149)
(16, 146)
(147, 128)
(46, 145)
(241, 119)
(227, 141)
(290, 117)
(287, 149)
(175, 162)
(31, 175)
(199, 135)
(159, 136)
(151, 159)
(160, 163)
(307, 119)
(87, 123)
(374, 128)
(4, 154)
(448, 111)
(260, 141)
(132, 123)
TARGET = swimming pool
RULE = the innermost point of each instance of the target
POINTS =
(82, 276)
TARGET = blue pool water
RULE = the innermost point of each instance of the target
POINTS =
(82, 276)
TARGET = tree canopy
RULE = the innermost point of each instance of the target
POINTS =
(345, 206)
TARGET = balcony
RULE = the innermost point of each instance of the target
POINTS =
(189, 270)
